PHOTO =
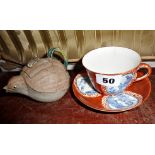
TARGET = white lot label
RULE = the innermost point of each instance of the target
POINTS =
(108, 80)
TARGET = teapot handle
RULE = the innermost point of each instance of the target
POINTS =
(51, 52)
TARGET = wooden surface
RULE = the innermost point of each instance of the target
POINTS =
(16, 108)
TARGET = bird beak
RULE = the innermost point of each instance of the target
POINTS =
(5, 87)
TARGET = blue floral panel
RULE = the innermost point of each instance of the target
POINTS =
(85, 86)
(125, 81)
(121, 101)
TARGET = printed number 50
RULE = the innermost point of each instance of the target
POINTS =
(106, 80)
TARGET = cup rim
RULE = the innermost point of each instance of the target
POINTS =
(119, 73)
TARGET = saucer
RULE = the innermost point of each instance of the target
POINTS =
(134, 95)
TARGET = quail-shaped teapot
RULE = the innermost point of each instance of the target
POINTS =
(43, 79)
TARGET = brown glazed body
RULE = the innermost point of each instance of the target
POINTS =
(44, 80)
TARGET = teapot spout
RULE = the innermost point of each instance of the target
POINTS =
(6, 88)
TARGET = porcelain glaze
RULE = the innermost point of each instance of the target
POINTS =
(112, 69)
(115, 102)
(122, 101)
(125, 80)
(134, 96)
(85, 86)
(111, 60)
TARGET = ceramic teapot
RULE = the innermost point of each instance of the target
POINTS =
(43, 79)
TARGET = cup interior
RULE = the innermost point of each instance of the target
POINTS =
(111, 60)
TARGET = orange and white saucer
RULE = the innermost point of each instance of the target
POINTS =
(134, 96)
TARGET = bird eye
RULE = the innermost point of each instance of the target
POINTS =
(14, 87)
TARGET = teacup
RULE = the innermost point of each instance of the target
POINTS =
(113, 69)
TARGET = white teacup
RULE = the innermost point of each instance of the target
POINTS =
(112, 69)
